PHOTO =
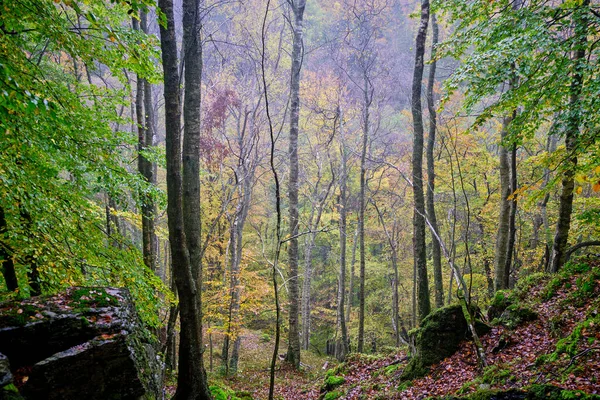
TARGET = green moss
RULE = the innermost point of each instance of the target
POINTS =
(438, 337)
(225, 393)
(496, 374)
(404, 385)
(390, 369)
(516, 314)
(333, 395)
(10, 392)
(86, 298)
(19, 315)
(331, 382)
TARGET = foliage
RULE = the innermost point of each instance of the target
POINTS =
(63, 146)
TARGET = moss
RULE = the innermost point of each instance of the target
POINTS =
(496, 374)
(517, 314)
(19, 315)
(438, 337)
(10, 392)
(333, 381)
(390, 369)
(501, 300)
(89, 297)
(333, 395)
(225, 393)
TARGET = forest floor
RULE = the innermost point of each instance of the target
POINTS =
(560, 347)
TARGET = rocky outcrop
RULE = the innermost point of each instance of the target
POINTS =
(438, 337)
(87, 343)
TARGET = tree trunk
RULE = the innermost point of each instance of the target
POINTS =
(293, 353)
(8, 265)
(437, 254)
(420, 255)
(350, 297)
(361, 215)
(183, 193)
(502, 237)
(563, 226)
(342, 227)
(150, 240)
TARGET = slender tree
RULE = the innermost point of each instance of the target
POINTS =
(183, 192)
(420, 254)
(574, 117)
(293, 353)
(436, 251)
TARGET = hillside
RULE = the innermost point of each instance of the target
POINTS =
(545, 335)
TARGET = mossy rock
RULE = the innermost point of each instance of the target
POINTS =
(515, 315)
(333, 381)
(10, 392)
(333, 395)
(502, 299)
(438, 337)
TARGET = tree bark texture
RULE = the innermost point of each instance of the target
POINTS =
(183, 207)
(293, 353)
(436, 251)
(580, 22)
(420, 254)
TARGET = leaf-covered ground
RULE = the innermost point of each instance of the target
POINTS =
(561, 347)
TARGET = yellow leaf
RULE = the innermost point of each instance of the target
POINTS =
(579, 190)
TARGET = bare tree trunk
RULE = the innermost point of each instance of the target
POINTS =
(512, 229)
(580, 22)
(183, 193)
(278, 235)
(6, 260)
(319, 197)
(351, 283)
(342, 227)
(368, 98)
(502, 237)
(437, 254)
(293, 353)
(150, 240)
(420, 255)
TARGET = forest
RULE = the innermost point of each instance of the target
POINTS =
(296, 194)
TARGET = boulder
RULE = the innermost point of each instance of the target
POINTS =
(85, 343)
(5, 374)
(438, 337)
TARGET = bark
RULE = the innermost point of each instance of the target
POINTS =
(559, 251)
(420, 255)
(512, 229)
(502, 258)
(351, 283)
(245, 173)
(183, 207)
(343, 229)
(318, 200)
(293, 353)
(149, 238)
(8, 264)
(361, 214)
(278, 234)
(436, 252)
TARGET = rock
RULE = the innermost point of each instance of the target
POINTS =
(5, 374)
(515, 314)
(438, 337)
(87, 343)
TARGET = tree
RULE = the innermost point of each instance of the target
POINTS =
(420, 255)
(293, 353)
(436, 251)
(183, 192)
(573, 121)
